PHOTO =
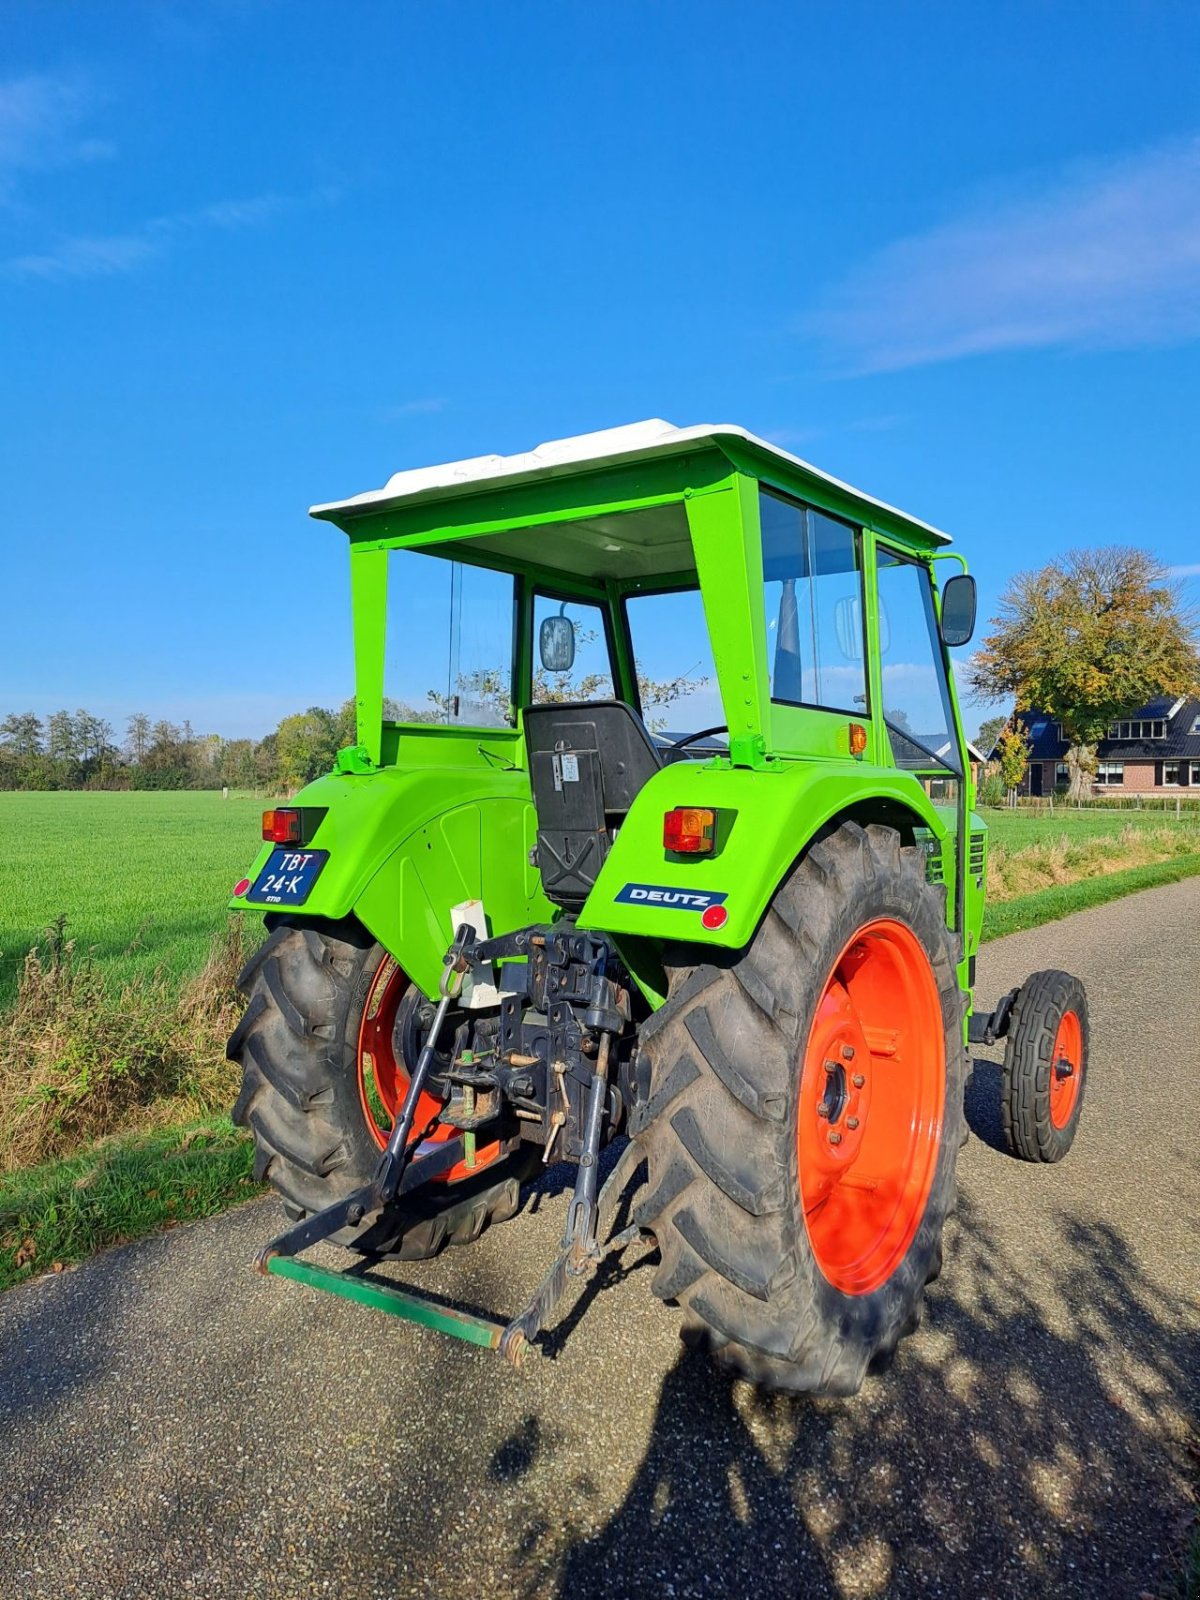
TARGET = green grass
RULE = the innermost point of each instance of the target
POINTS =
(1048, 905)
(1018, 828)
(143, 878)
(120, 1189)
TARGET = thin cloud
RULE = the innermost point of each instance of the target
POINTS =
(40, 117)
(1103, 258)
(1190, 569)
(421, 407)
(109, 254)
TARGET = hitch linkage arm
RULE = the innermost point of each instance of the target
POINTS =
(395, 1164)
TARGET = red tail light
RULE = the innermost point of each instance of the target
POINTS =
(690, 830)
(281, 827)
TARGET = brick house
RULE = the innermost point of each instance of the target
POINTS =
(1155, 751)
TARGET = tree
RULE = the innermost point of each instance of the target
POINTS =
(305, 745)
(1087, 640)
(62, 742)
(989, 731)
(93, 737)
(1013, 749)
(137, 735)
(21, 732)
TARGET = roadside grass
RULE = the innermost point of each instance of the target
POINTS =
(82, 1057)
(65, 1210)
(1064, 858)
(1048, 905)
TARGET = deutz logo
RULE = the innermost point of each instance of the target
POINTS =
(650, 894)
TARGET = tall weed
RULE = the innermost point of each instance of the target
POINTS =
(1070, 859)
(82, 1058)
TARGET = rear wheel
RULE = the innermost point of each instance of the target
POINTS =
(803, 1120)
(330, 1020)
(1045, 1066)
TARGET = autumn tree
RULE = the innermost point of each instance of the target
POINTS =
(1088, 640)
(1012, 748)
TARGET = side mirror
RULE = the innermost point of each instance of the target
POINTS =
(958, 609)
(556, 643)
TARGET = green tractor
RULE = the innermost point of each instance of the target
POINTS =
(659, 830)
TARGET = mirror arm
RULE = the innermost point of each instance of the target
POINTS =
(951, 555)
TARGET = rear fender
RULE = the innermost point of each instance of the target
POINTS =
(406, 846)
(766, 820)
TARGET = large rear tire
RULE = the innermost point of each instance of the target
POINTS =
(803, 1120)
(315, 995)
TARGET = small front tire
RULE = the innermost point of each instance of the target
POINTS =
(1045, 1067)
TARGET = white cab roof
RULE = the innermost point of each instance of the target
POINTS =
(634, 441)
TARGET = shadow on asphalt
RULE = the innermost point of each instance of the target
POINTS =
(984, 1465)
(982, 1103)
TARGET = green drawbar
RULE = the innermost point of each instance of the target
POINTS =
(399, 1303)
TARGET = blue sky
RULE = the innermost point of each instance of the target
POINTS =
(258, 255)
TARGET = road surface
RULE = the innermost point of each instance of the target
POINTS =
(173, 1425)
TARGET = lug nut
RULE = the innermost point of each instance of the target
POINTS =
(852, 1123)
(858, 1080)
(847, 1052)
(835, 1138)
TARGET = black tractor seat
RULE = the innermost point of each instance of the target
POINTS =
(587, 762)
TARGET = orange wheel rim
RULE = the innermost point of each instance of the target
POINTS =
(872, 1096)
(1066, 1068)
(382, 1080)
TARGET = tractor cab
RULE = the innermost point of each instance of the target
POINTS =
(649, 614)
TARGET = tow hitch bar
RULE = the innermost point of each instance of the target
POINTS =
(399, 1172)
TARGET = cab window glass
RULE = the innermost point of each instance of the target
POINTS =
(812, 567)
(916, 697)
(677, 681)
(449, 650)
(590, 676)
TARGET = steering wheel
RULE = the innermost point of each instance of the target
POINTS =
(690, 738)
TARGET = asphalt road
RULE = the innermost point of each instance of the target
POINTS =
(173, 1425)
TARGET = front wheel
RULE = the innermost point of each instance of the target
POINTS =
(1045, 1066)
(330, 1022)
(803, 1120)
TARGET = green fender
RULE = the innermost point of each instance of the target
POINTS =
(765, 820)
(400, 857)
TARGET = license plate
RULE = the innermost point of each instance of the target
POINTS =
(288, 877)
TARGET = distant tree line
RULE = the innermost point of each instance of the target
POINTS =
(76, 750)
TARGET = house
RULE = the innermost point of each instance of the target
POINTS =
(1154, 751)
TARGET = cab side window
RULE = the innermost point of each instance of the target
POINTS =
(812, 567)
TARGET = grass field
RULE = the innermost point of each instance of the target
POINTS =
(142, 878)
(1018, 828)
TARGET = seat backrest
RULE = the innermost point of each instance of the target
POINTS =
(587, 762)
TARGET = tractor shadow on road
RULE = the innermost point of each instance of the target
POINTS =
(982, 1104)
(1031, 1439)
